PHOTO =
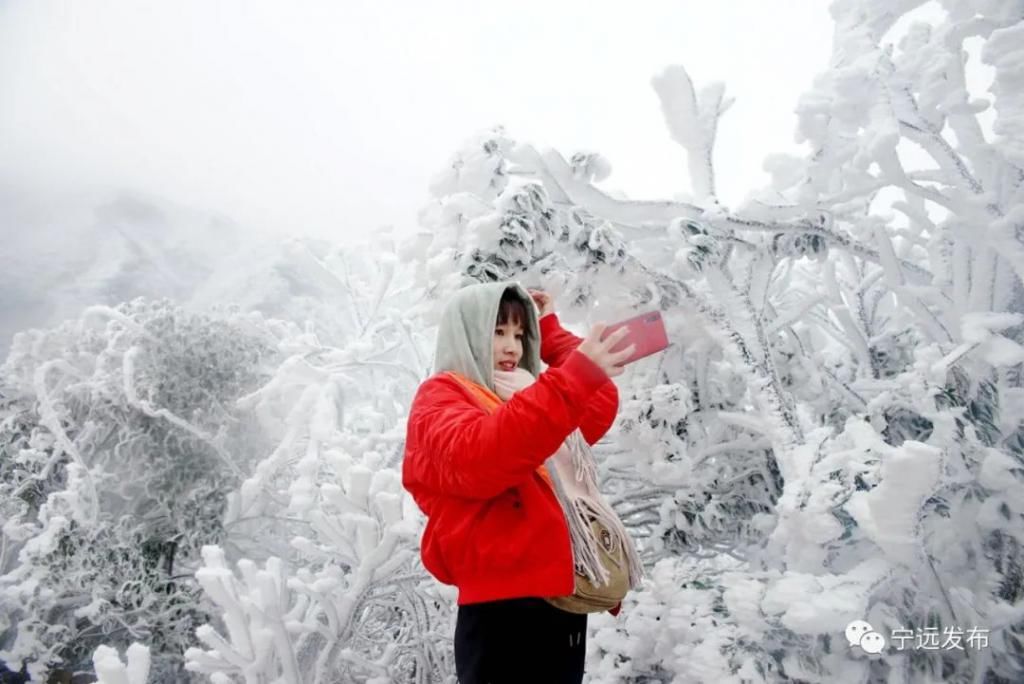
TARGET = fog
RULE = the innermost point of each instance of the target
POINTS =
(330, 118)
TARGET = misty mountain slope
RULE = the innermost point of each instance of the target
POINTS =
(62, 256)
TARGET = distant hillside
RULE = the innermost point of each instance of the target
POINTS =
(62, 255)
(59, 257)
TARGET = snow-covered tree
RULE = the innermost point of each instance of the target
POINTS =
(117, 451)
(117, 423)
(836, 434)
(329, 586)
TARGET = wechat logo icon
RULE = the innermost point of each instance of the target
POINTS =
(862, 634)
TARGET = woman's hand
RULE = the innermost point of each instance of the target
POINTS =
(542, 299)
(600, 351)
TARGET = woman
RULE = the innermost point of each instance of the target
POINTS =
(495, 527)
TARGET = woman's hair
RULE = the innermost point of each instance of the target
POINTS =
(511, 309)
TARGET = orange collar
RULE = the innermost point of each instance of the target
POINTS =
(490, 401)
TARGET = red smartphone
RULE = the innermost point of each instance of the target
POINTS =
(646, 331)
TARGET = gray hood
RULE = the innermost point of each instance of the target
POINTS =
(465, 336)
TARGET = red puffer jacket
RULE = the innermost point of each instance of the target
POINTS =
(494, 527)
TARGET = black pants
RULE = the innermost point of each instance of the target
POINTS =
(519, 641)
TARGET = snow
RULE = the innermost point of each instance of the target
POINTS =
(888, 513)
(110, 669)
(834, 434)
(691, 120)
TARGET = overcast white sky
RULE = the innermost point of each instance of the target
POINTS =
(331, 117)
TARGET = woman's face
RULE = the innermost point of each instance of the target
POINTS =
(508, 345)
